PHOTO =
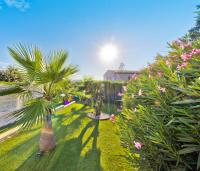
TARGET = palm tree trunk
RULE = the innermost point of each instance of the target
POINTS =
(47, 138)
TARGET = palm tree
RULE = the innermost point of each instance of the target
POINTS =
(43, 77)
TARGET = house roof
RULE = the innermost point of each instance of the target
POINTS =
(121, 71)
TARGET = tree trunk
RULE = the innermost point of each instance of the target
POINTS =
(47, 138)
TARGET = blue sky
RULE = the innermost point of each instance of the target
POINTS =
(139, 28)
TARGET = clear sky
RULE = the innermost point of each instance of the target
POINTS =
(139, 28)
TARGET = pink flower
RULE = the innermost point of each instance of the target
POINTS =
(181, 44)
(162, 89)
(178, 67)
(124, 88)
(177, 42)
(183, 65)
(159, 74)
(138, 145)
(134, 76)
(149, 67)
(195, 51)
(120, 94)
(168, 63)
(185, 45)
(140, 93)
(112, 118)
(119, 110)
(186, 56)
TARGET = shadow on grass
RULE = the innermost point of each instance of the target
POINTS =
(23, 148)
(67, 155)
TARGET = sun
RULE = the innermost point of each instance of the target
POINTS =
(109, 52)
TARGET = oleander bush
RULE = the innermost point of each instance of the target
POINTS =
(161, 111)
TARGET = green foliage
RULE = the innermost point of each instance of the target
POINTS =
(194, 32)
(42, 80)
(102, 95)
(161, 110)
(110, 89)
(11, 74)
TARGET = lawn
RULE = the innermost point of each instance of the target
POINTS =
(6, 83)
(82, 144)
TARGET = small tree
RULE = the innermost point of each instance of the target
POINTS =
(42, 81)
(194, 32)
(11, 74)
(98, 99)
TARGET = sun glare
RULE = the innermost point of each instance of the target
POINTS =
(108, 53)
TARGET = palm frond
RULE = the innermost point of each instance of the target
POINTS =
(29, 59)
(33, 113)
(57, 60)
(55, 70)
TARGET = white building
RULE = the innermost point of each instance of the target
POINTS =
(121, 75)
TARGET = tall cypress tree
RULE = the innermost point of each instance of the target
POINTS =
(194, 32)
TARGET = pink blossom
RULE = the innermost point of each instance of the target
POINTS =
(140, 93)
(162, 89)
(195, 51)
(124, 88)
(177, 42)
(138, 145)
(181, 44)
(112, 118)
(119, 110)
(120, 94)
(159, 74)
(183, 65)
(149, 67)
(178, 67)
(186, 56)
(134, 76)
(185, 45)
(168, 63)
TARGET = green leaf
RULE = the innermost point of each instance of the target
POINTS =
(189, 150)
(32, 113)
(188, 101)
(198, 162)
(171, 121)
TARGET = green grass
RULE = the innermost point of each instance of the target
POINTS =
(82, 144)
(5, 82)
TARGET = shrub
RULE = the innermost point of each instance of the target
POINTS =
(11, 74)
(110, 89)
(161, 111)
